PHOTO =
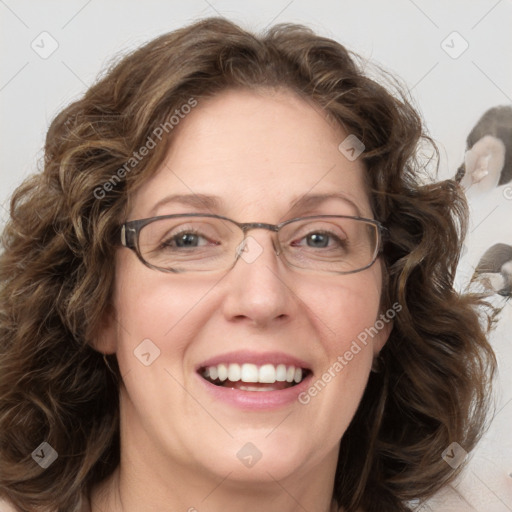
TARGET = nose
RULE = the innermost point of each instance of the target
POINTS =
(255, 289)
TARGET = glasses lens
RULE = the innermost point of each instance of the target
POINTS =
(330, 244)
(190, 243)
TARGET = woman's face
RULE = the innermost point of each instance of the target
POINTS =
(257, 153)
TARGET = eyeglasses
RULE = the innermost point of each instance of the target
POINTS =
(198, 242)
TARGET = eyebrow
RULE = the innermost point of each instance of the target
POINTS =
(210, 202)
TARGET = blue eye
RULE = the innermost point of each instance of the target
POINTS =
(320, 240)
(185, 239)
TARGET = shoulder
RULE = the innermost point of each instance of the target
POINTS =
(7, 506)
(448, 500)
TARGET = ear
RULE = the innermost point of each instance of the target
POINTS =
(105, 337)
(382, 337)
(384, 323)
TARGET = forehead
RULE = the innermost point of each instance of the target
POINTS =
(257, 152)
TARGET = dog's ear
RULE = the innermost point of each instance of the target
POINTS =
(483, 164)
(488, 159)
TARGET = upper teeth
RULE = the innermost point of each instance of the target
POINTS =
(267, 374)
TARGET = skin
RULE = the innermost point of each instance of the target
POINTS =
(258, 151)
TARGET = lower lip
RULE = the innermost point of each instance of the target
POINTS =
(256, 400)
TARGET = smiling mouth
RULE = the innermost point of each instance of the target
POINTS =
(251, 377)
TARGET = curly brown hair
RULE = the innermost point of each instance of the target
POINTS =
(57, 275)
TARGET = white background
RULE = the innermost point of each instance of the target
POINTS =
(404, 36)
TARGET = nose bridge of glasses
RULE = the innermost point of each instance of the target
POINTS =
(249, 226)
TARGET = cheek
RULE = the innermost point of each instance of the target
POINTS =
(344, 313)
(149, 308)
(346, 306)
(158, 315)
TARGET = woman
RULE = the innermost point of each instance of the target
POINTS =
(231, 289)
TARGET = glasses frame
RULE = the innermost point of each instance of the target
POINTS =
(130, 234)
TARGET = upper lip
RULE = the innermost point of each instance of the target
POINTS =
(257, 358)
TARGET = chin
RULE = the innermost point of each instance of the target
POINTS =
(262, 455)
